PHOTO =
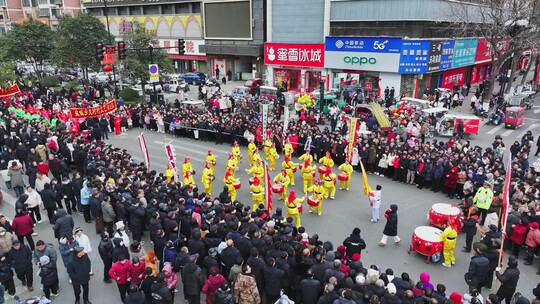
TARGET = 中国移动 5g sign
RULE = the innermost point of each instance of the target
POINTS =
(362, 53)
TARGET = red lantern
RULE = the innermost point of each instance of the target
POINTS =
(107, 68)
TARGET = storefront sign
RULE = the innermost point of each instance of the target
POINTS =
(354, 60)
(414, 56)
(286, 54)
(537, 75)
(464, 52)
(435, 53)
(363, 44)
(453, 77)
(447, 55)
(104, 108)
(483, 51)
(192, 46)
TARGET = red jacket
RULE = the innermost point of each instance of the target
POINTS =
(533, 237)
(120, 272)
(519, 232)
(137, 273)
(211, 286)
(22, 224)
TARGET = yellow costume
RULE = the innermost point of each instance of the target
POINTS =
(290, 167)
(211, 159)
(308, 171)
(230, 181)
(169, 174)
(267, 144)
(256, 170)
(327, 161)
(207, 178)
(272, 157)
(188, 179)
(448, 236)
(236, 153)
(257, 193)
(288, 149)
(231, 163)
(329, 184)
(187, 166)
(293, 204)
(252, 149)
(282, 179)
(257, 157)
(317, 191)
(306, 156)
(345, 169)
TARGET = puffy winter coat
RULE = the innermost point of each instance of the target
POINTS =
(21, 259)
(170, 277)
(49, 275)
(211, 285)
(245, 290)
(63, 226)
(533, 237)
(120, 272)
(519, 233)
(22, 224)
(6, 241)
(391, 227)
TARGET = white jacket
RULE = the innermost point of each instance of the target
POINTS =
(34, 199)
(375, 198)
(40, 183)
(84, 242)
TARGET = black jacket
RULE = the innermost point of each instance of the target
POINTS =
(161, 294)
(310, 290)
(49, 275)
(21, 259)
(354, 244)
(509, 278)
(135, 298)
(391, 227)
(273, 278)
(478, 268)
(223, 297)
(79, 269)
(192, 279)
(64, 224)
(48, 196)
(105, 249)
(5, 271)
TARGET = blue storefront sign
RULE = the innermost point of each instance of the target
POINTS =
(447, 55)
(414, 56)
(464, 52)
(363, 44)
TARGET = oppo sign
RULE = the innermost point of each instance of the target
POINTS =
(359, 60)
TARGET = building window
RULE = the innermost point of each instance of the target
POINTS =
(167, 9)
(135, 10)
(181, 8)
(56, 13)
(44, 12)
(196, 8)
(43, 2)
(111, 11)
(123, 10)
(151, 10)
(2, 3)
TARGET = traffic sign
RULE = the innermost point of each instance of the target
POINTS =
(153, 70)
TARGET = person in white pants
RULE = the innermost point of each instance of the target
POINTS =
(375, 198)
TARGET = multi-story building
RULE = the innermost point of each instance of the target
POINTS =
(169, 20)
(46, 11)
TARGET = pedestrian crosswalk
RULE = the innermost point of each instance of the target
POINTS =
(503, 132)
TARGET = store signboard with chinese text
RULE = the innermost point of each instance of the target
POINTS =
(300, 55)
(414, 56)
(435, 54)
(447, 55)
(453, 77)
(363, 53)
(464, 52)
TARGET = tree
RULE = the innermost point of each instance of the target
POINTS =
(138, 56)
(76, 39)
(31, 41)
(509, 27)
(7, 73)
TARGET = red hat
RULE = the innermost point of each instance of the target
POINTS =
(209, 151)
(256, 181)
(292, 197)
(456, 298)
(356, 257)
(341, 248)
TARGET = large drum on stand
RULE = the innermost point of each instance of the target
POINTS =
(440, 214)
(426, 241)
(237, 185)
(278, 188)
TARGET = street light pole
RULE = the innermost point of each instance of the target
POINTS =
(106, 12)
(154, 93)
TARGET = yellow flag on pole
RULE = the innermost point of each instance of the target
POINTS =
(365, 183)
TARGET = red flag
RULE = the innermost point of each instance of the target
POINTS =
(506, 191)
(144, 149)
(267, 187)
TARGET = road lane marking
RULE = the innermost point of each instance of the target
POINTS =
(536, 111)
(527, 129)
(495, 129)
(507, 132)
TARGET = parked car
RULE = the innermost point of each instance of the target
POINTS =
(175, 85)
(194, 78)
(148, 88)
(100, 77)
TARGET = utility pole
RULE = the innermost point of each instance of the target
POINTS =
(106, 12)
(154, 93)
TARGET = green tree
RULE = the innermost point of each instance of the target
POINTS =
(31, 41)
(137, 61)
(76, 39)
(7, 73)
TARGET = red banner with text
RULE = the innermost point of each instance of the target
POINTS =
(11, 90)
(107, 107)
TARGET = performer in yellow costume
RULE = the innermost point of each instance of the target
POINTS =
(293, 205)
(329, 184)
(211, 160)
(236, 152)
(288, 149)
(267, 144)
(188, 179)
(252, 149)
(256, 170)
(187, 166)
(316, 197)
(169, 173)
(448, 237)
(306, 156)
(290, 167)
(326, 162)
(282, 179)
(272, 157)
(257, 193)
(346, 171)
(308, 171)
(207, 178)
(230, 181)
(231, 163)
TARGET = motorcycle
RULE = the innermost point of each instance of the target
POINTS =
(495, 118)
